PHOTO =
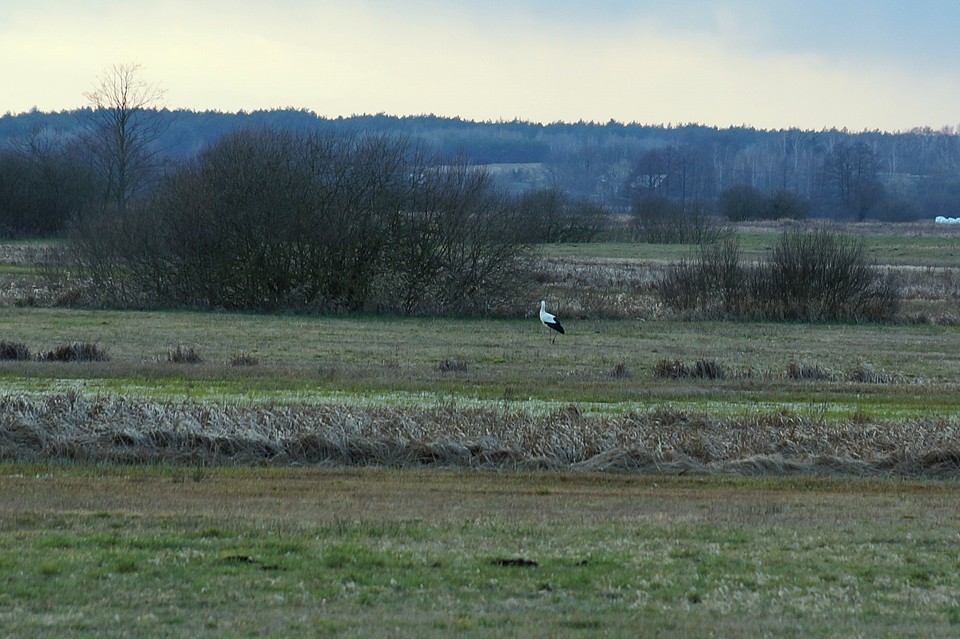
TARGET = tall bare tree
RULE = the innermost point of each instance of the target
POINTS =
(125, 123)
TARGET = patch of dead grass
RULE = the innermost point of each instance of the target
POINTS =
(74, 427)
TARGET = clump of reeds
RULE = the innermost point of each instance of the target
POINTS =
(14, 351)
(184, 355)
(866, 374)
(452, 366)
(244, 359)
(701, 369)
(75, 352)
(797, 370)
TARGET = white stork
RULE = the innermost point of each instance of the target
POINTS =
(549, 320)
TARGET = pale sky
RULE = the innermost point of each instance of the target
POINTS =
(859, 64)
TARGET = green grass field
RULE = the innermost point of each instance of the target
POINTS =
(190, 549)
(172, 551)
(897, 245)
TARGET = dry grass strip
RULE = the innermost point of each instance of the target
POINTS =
(73, 427)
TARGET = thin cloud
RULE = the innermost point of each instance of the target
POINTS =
(781, 64)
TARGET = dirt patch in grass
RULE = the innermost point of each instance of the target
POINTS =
(97, 429)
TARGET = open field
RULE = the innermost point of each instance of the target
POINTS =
(367, 476)
(920, 244)
(607, 365)
(174, 551)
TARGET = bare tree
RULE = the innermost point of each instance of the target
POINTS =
(125, 124)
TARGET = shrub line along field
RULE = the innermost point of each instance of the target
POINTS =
(641, 475)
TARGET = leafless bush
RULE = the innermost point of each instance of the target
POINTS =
(866, 374)
(712, 284)
(658, 220)
(810, 276)
(820, 275)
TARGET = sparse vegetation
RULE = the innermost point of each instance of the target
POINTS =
(452, 366)
(658, 220)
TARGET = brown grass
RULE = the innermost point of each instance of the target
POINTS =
(74, 427)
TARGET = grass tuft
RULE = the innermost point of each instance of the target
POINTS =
(75, 352)
(14, 351)
(184, 355)
(701, 369)
(452, 366)
(244, 359)
(866, 374)
(796, 370)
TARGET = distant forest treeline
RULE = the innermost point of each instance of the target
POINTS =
(737, 172)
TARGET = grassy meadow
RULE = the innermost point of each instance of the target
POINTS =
(370, 476)
(173, 551)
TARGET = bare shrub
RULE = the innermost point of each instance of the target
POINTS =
(14, 351)
(709, 369)
(820, 275)
(75, 352)
(864, 373)
(551, 215)
(811, 276)
(670, 368)
(712, 284)
(268, 220)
